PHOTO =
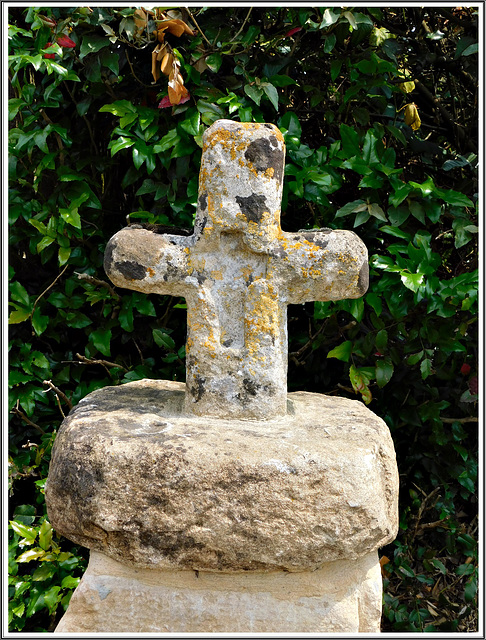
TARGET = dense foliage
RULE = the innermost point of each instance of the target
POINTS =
(378, 107)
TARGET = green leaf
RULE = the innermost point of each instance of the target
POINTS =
(350, 140)
(384, 371)
(374, 300)
(342, 351)
(64, 255)
(45, 535)
(289, 122)
(401, 192)
(397, 233)
(381, 339)
(426, 368)
(163, 339)
(336, 68)
(31, 554)
(470, 590)
(39, 322)
(70, 582)
(52, 597)
(192, 122)
(44, 572)
(168, 141)
(71, 216)
(415, 357)
(455, 198)
(329, 17)
(376, 211)
(473, 48)
(29, 533)
(121, 143)
(281, 81)
(272, 94)
(412, 281)
(214, 61)
(57, 68)
(92, 44)
(101, 339)
(18, 293)
(329, 43)
(352, 207)
(351, 19)
(254, 92)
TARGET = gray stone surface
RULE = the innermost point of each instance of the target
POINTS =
(342, 597)
(134, 477)
(238, 272)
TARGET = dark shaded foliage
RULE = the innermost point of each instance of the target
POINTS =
(94, 143)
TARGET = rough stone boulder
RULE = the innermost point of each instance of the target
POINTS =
(134, 477)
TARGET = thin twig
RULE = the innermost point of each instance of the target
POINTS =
(242, 26)
(23, 417)
(101, 283)
(147, 86)
(58, 392)
(104, 363)
(46, 290)
(433, 525)
(461, 420)
(198, 27)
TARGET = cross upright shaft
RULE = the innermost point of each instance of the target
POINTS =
(238, 272)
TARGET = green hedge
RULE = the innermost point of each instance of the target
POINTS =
(377, 107)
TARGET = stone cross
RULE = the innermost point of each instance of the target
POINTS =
(238, 271)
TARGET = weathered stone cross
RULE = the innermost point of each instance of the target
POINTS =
(238, 271)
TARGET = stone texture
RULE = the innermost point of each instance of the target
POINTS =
(238, 271)
(134, 477)
(342, 597)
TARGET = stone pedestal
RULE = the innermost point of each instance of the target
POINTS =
(210, 525)
(342, 596)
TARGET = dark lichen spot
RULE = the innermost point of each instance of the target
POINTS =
(108, 260)
(268, 126)
(197, 389)
(315, 237)
(199, 226)
(279, 252)
(167, 229)
(203, 201)
(252, 207)
(264, 154)
(363, 279)
(251, 387)
(200, 278)
(131, 270)
(171, 272)
(227, 343)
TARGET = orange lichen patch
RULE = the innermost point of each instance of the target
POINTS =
(227, 140)
(268, 173)
(262, 320)
(151, 272)
(217, 275)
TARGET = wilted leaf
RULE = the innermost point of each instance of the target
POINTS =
(408, 86)
(412, 117)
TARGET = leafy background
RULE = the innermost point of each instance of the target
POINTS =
(378, 107)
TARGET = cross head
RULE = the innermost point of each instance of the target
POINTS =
(238, 271)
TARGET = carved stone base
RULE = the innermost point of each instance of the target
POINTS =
(281, 518)
(342, 596)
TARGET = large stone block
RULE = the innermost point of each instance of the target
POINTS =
(133, 477)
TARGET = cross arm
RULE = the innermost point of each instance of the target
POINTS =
(321, 265)
(141, 260)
